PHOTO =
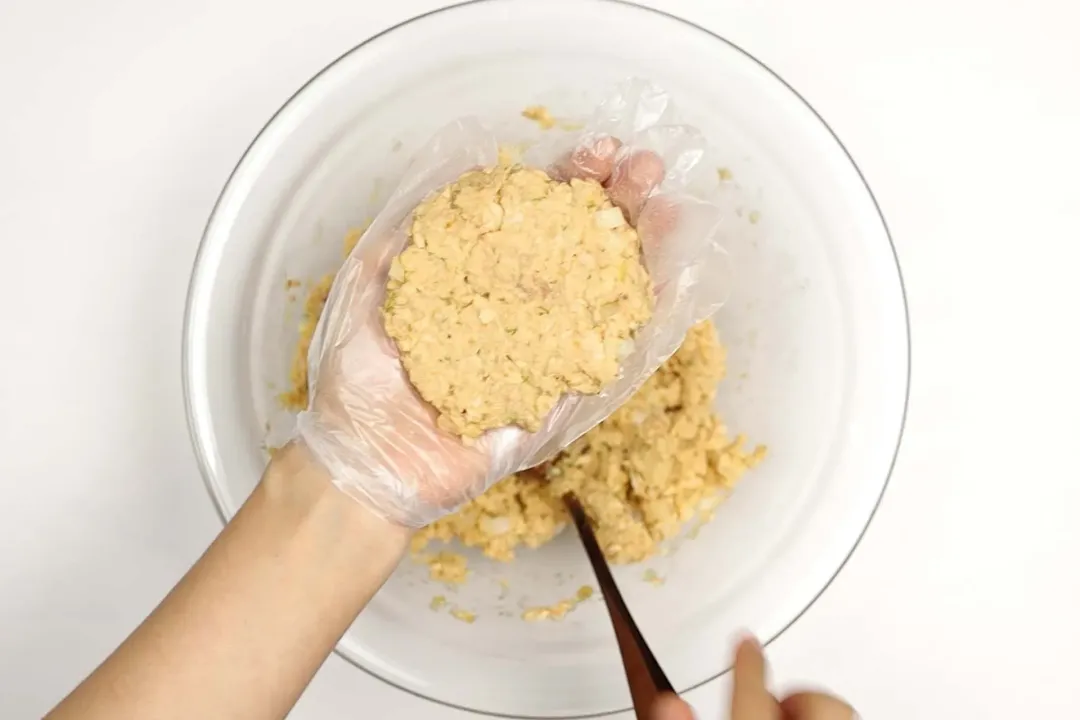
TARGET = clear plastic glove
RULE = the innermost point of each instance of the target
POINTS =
(367, 425)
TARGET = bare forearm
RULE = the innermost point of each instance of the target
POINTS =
(251, 622)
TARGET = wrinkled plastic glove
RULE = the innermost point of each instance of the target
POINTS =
(378, 438)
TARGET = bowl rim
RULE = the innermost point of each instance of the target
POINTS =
(198, 270)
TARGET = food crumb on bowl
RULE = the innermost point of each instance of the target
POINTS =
(540, 115)
(464, 616)
(724, 174)
(447, 567)
(439, 602)
(652, 578)
(558, 610)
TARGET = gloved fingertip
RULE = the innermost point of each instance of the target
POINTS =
(657, 221)
(634, 178)
(592, 160)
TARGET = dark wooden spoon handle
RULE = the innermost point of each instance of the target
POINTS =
(643, 673)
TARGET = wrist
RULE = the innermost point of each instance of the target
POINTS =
(301, 488)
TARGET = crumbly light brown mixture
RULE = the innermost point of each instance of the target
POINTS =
(658, 461)
(514, 290)
(558, 610)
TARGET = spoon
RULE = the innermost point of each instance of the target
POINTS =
(643, 673)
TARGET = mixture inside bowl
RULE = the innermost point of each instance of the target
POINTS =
(661, 461)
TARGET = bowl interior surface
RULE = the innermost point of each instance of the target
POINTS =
(815, 328)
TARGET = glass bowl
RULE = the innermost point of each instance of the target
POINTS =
(816, 331)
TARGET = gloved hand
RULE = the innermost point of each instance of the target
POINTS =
(368, 426)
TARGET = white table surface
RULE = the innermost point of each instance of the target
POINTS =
(121, 119)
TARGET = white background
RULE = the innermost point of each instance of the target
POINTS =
(121, 119)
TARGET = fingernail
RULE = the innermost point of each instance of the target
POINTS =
(751, 639)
